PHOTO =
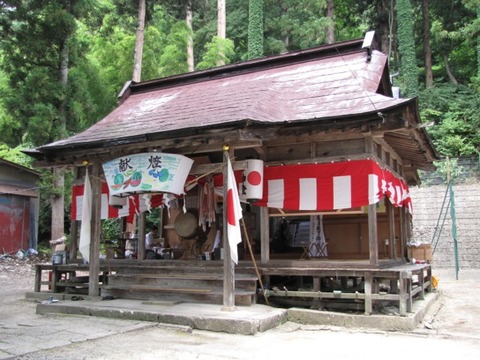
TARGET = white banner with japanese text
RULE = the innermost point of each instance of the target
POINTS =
(147, 172)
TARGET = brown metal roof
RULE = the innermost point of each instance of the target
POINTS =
(318, 86)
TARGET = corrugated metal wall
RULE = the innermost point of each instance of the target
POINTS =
(14, 223)
(19, 206)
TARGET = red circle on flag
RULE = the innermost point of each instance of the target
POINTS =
(254, 178)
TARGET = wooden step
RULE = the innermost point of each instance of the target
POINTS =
(173, 281)
(158, 289)
(196, 295)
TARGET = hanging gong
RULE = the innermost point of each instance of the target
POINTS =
(186, 225)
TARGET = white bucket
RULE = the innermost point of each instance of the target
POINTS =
(57, 259)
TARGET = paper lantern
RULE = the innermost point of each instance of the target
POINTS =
(253, 179)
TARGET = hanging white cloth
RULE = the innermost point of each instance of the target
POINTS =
(85, 230)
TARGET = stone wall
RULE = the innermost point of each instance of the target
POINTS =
(427, 204)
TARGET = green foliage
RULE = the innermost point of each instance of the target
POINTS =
(218, 49)
(111, 229)
(292, 25)
(455, 28)
(454, 111)
(15, 155)
(406, 47)
(353, 19)
(35, 34)
(174, 57)
(9, 127)
(255, 29)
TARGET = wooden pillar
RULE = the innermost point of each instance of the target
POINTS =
(96, 228)
(368, 293)
(421, 283)
(228, 264)
(73, 240)
(391, 229)
(142, 220)
(372, 234)
(317, 302)
(405, 281)
(38, 278)
(265, 235)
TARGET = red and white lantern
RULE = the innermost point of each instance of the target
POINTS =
(253, 180)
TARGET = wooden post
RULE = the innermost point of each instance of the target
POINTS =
(317, 302)
(403, 232)
(264, 236)
(259, 276)
(391, 229)
(94, 264)
(142, 220)
(228, 264)
(372, 234)
(38, 278)
(406, 300)
(73, 240)
(368, 293)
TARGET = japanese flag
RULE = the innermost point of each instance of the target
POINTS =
(234, 213)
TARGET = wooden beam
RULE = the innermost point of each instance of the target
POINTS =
(372, 234)
(403, 232)
(96, 229)
(386, 147)
(391, 228)
(282, 213)
(216, 168)
(368, 293)
(264, 235)
(213, 146)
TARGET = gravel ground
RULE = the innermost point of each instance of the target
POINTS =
(451, 328)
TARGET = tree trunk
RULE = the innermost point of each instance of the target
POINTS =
(137, 60)
(384, 20)
(451, 77)
(57, 203)
(188, 20)
(221, 27)
(478, 44)
(57, 200)
(427, 51)
(331, 23)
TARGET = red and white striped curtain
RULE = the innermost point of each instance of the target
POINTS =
(135, 204)
(332, 186)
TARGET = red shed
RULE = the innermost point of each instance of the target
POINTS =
(19, 203)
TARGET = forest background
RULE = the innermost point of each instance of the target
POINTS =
(63, 62)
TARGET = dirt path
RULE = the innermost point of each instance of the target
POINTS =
(451, 329)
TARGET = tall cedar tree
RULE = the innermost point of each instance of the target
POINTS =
(36, 44)
(255, 29)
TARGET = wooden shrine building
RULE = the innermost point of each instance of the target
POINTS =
(319, 137)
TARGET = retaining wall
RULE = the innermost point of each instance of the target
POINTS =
(427, 204)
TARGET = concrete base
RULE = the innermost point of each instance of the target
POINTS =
(377, 322)
(243, 320)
